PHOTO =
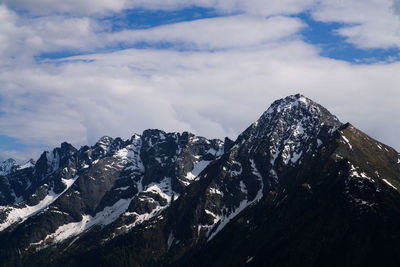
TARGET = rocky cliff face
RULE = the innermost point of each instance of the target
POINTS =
(296, 182)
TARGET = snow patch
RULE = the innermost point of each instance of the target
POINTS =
(355, 173)
(249, 259)
(258, 174)
(197, 169)
(243, 187)
(299, 130)
(140, 218)
(218, 152)
(215, 191)
(130, 156)
(388, 183)
(347, 141)
(296, 156)
(29, 164)
(18, 215)
(170, 240)
(122, 188)
(223, 220)
(164, 189)
(210, 213)
(104, 217)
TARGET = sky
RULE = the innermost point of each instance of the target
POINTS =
(77, 70)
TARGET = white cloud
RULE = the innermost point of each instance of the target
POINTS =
(211, 94)
(23, 38)
(45, 7)
(368, 24)
(59, 32)
(11, 34)
(215, 33)
(81, 7)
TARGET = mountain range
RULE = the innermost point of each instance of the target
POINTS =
(296, 188)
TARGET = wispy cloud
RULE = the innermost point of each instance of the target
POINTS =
(215, 33)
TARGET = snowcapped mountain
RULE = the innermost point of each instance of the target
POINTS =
(133, 179)
(296, 182)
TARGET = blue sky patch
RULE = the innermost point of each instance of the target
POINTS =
(143, 19)
(10, 143)
(334, 46)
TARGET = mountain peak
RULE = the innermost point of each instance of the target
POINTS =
(298, 106)
(7, 166)
(290, 128)
(9, 161)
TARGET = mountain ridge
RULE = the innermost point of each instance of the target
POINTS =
(167, 198)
